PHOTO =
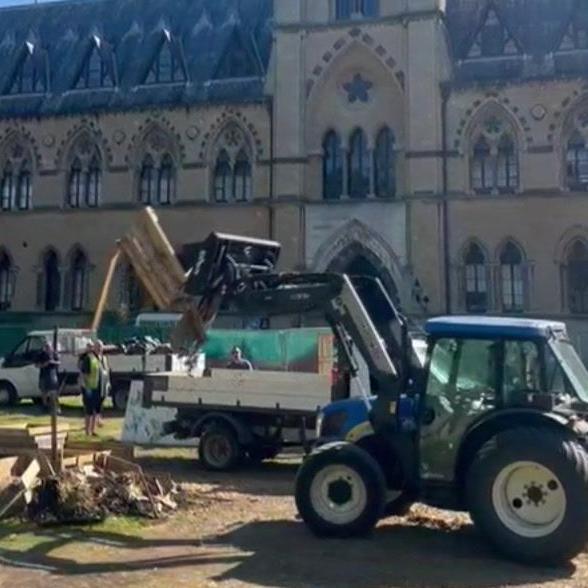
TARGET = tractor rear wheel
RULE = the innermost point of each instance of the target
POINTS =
(527, 490)
(340, 491)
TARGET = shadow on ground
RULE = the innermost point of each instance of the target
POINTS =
(286, 555)
(283, 554)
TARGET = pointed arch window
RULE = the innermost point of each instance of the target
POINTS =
(79, 280)
(75, 193)
(512, 278)
(476, 279)
(222, 177)
(242, 178)
(84, 185)
(385, 164)
(577, 278)
(50, 294)
(95, 72)
(332, 166)
(482, 173)
(147, 187)
(493, 39)
(6, 281)
(8, 187)
(132, 295)
(16, 185)
(577, 161)
(359, 165)
(165, 185)
(27, 77)
(507, 165)
(166, 67)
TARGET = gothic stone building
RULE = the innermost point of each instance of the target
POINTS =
(439, 144)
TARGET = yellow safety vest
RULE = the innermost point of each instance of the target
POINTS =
(92, 379)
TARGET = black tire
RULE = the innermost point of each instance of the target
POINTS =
(219, 449)
(8, 394)
(120, 397)
(493, 495)
(369, 480)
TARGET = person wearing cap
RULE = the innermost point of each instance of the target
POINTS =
(238, 362)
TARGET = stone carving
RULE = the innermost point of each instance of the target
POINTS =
(192, 132)
(119, 137)
(358, 89)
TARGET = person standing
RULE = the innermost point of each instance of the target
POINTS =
(238, 362)
(48, 364)
(104, 385)
(90, 382)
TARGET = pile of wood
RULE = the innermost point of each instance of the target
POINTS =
(24, 439)
(94, 490)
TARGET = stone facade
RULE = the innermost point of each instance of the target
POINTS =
(438, 144)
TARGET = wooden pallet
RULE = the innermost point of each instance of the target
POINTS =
(24, 439)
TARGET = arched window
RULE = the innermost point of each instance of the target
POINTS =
(359, 165)
(93, 183)
(577, 278)
(165, 186)
(222, 177)
(507, 165)
(51, 282)
(577, 162)
(79, 280)
(6, 281)
(482, 169)
(8, 187)
(76, 187)
(166, 67)
(512, 276)
(242, 178)
(24, 187)
(385, 164)
(132, 295)
(332, 167)
(147, 181)
(476, 279)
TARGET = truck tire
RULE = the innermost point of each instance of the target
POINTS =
(527, 491)
(8, 394)
(340, 491)
(219, 449)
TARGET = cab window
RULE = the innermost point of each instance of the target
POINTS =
(521, 368)
(36, 344)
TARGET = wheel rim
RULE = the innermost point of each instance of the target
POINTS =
(338, 494)
(218, 451)
(529, 499)
(4, 396)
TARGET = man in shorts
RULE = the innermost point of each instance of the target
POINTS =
(90, 381)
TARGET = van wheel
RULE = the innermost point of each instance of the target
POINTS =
(527, 491)
(219, 449)
(8, 394)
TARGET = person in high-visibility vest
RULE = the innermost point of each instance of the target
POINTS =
(90, 382)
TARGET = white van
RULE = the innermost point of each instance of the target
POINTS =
(19, 374)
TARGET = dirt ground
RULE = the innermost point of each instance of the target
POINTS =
(241, 530)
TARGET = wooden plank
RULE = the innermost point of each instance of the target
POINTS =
(103, 299)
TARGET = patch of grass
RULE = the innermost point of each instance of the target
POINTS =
(71, 413)
(22, 537)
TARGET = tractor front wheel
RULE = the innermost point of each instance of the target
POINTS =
(527, 491)
(340, 491)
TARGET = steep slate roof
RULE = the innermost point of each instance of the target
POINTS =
(202, 31)
(537, 26)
